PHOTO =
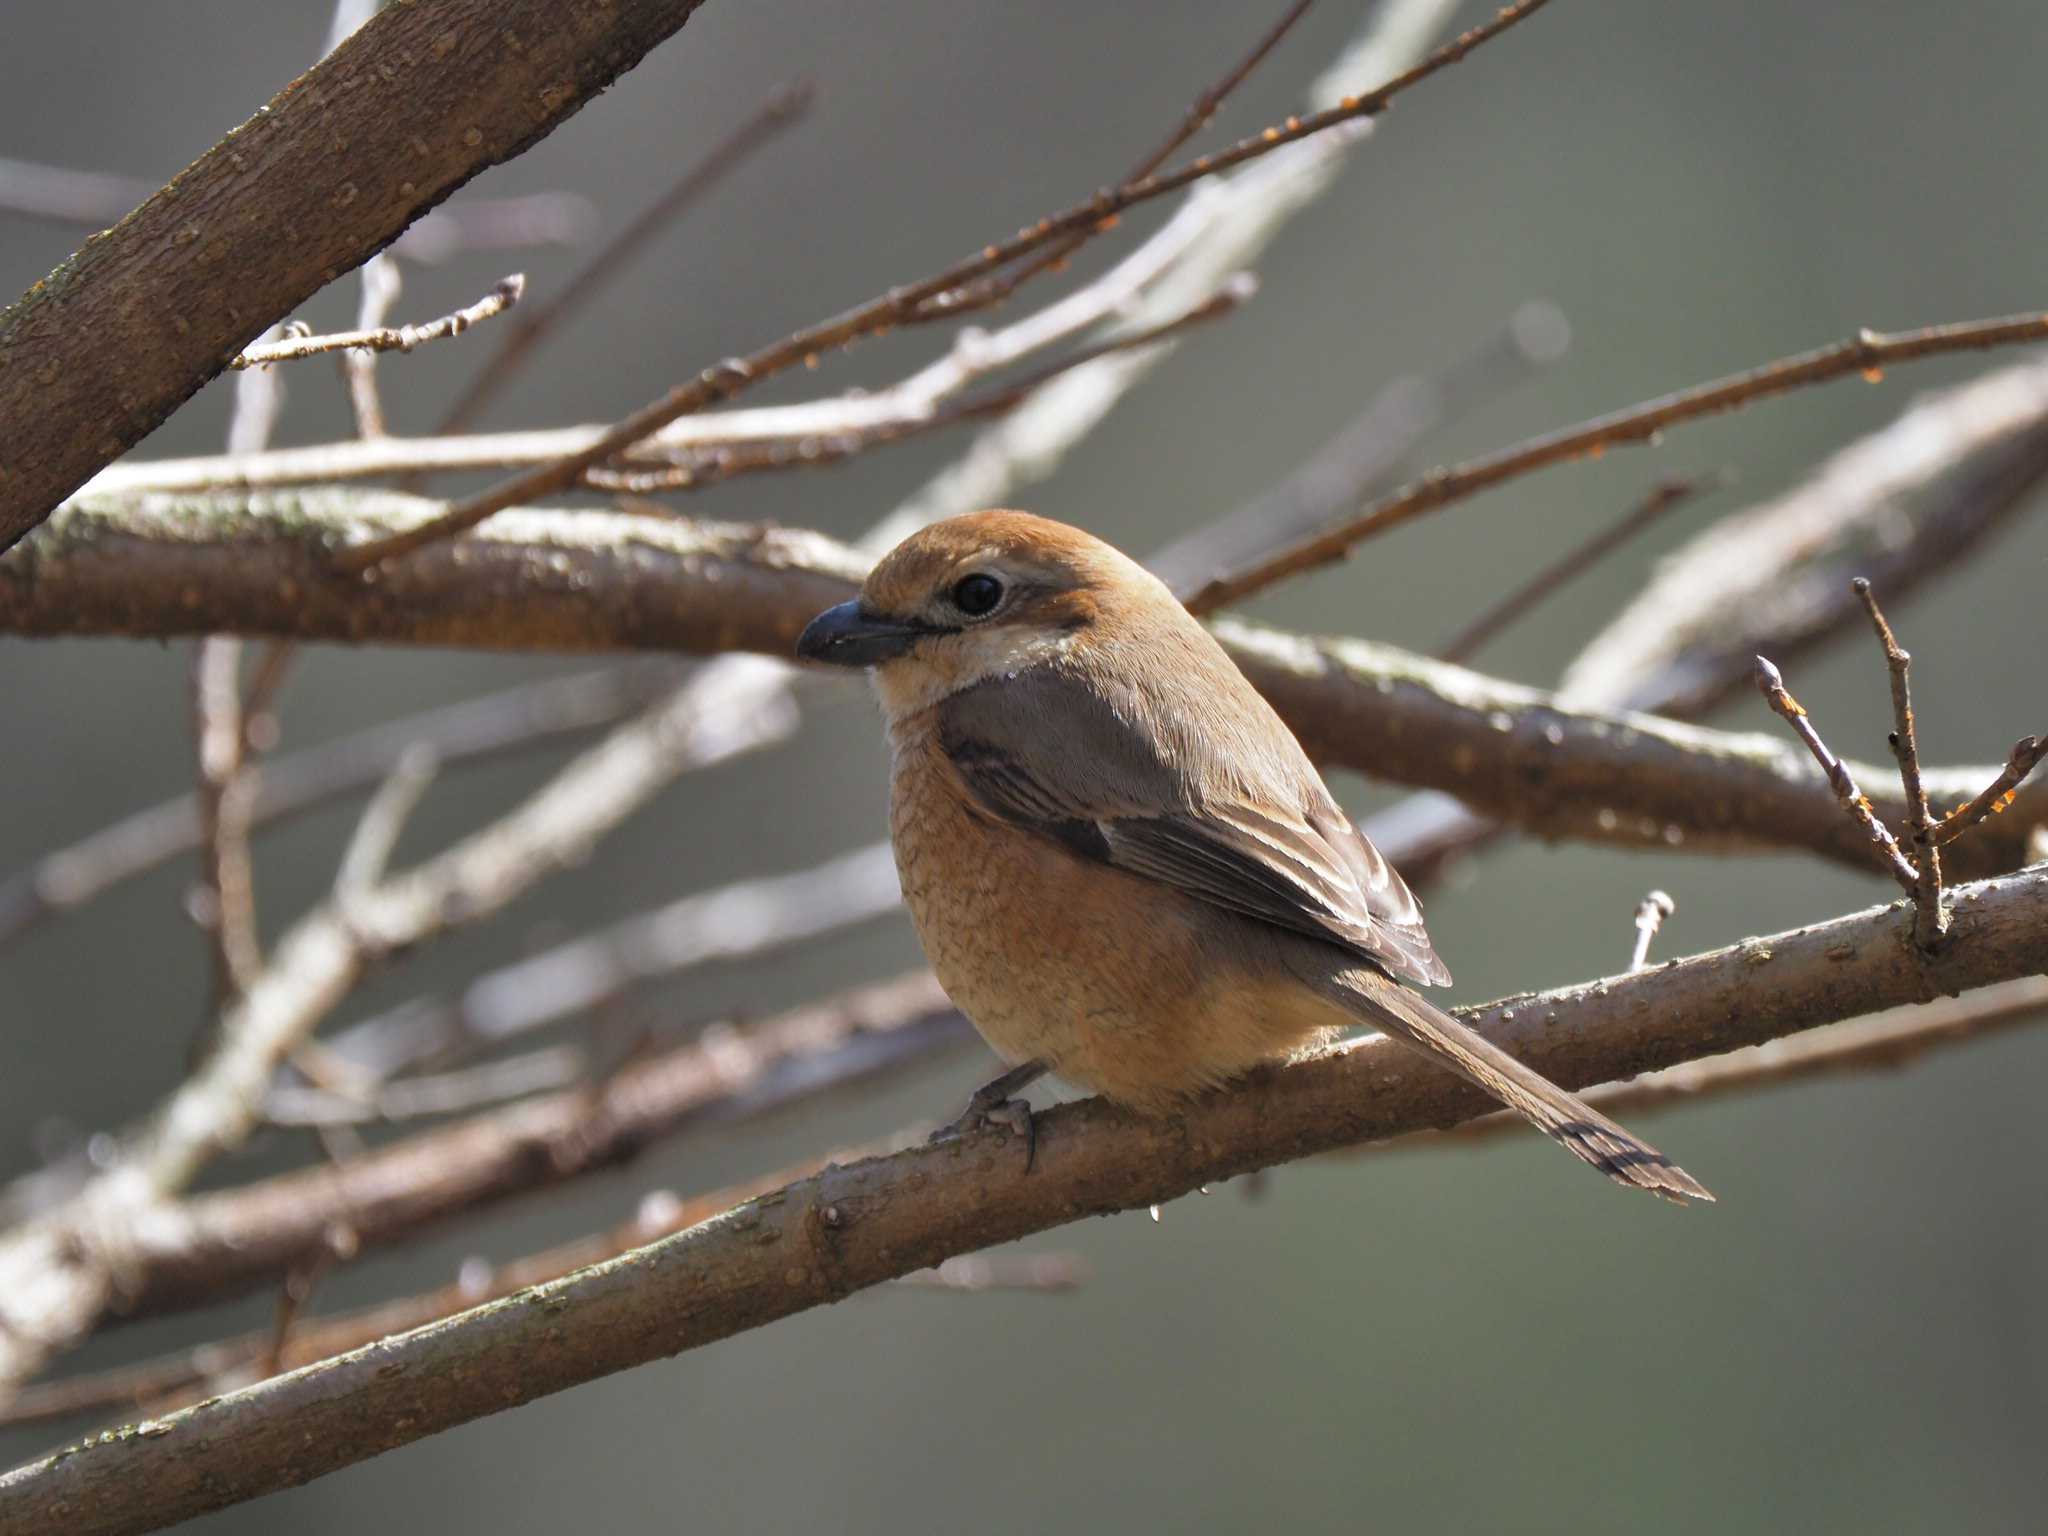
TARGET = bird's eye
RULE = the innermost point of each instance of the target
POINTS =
(977, 594)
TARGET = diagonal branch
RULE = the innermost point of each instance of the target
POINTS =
(1866, 353)
(847, 1228)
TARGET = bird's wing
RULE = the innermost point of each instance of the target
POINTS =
(1139, 784)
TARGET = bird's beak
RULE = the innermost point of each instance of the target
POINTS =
(846, 637)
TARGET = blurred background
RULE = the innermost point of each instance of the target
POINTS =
(1439, 1339)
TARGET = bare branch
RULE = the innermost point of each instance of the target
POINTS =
(1866, 353)
(1771, 684)
(1651, 912)
(904, 303)
(1932, 921)
(1998, 795)
(1900, 505)
(224, 902)
(60, 1272)
(575, 580)
(850, 1227)
(503, 295)
(783, 109)
(381, 286)
(522, 718)
(201, 1250)
(1574, 562)
(274, 212)
(747, 919)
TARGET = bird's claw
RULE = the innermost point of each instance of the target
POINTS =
(1013, 1115)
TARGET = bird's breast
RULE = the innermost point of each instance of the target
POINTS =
(1121, 985)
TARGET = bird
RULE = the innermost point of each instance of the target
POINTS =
(1121, 864)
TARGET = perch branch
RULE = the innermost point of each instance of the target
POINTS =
(850, 1227)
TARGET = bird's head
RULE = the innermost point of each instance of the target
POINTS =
(978, 596)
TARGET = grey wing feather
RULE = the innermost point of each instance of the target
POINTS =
(1045, 752)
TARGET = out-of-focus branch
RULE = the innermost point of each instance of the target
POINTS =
(201, 1250)
(747, 919)
(1664, 497)
(782, 110)
(526, 717)
(224, 901)
(850, 1227)
(421, 98)
(1867, 353)
(1899, 505)
(60, 1272)
(97, 199)
(1365, 456)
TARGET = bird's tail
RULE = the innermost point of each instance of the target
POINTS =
(1581, 1129)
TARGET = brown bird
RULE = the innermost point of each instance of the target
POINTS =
(1121, 863)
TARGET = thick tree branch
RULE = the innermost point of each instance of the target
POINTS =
(847, 1228)
(410, 107)
(572, 580)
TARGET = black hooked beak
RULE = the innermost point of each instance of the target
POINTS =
(843, 636)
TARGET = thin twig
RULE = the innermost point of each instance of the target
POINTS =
(1931, 919)
(383, 821)
(1771, 684)
(503, 295)
(439, 1093)
(1646, 514)
(1651, 912)
(783, 109)
(1362, 459)
(724, 380)
(994, 289)
(1867, 353)
(1995, 796)
(381, 286)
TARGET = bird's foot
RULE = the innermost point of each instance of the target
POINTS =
(992, 1104)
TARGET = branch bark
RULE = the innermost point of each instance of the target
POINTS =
(410, 107)
(585, 580)
(848, 1228)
